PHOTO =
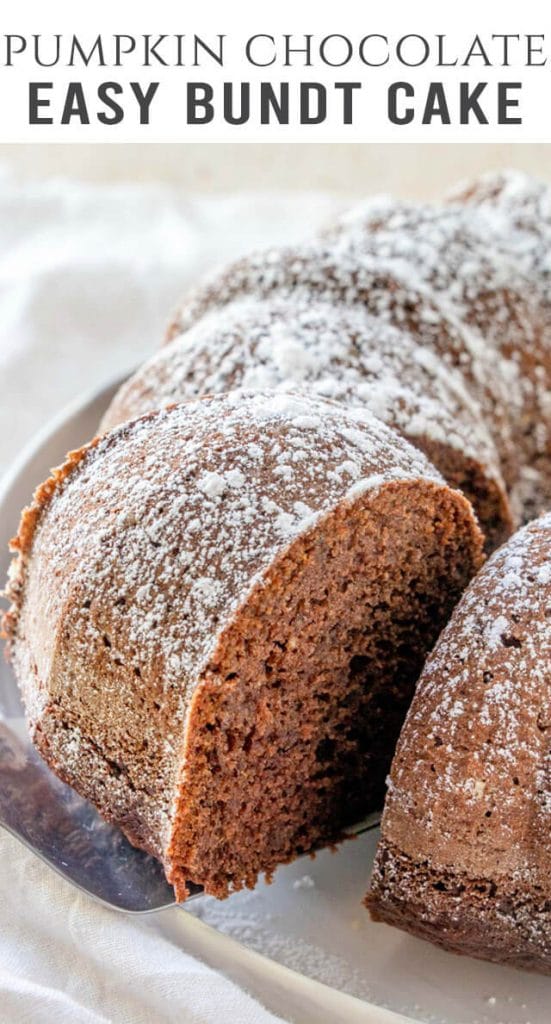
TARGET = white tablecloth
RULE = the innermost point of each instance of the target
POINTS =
(88, 277)
(66, 960)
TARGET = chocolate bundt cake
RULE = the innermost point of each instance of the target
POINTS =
(219, 612)
(220, 608)
(465, 853)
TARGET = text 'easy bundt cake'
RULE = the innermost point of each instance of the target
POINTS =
(219, 613)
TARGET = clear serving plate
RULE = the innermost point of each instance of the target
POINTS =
(304, 942)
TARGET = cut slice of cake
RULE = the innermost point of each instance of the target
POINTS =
(219, 612)
(465, 853)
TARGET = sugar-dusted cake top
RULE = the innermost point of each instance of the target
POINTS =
(339, 351)
(163, 526)
(471, 776)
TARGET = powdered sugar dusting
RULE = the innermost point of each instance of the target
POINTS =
(479, 726)
(429, 271)
(342, 352)
(516, 212)
(495, 294)
(163, 528)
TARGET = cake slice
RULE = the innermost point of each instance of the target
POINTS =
(219, 612)
(465, 853)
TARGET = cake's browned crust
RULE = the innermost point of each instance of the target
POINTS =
(470, 915)
(466, 291)
(465, 851)
(22, 542)
(228, 591)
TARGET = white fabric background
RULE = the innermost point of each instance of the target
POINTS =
(414, 171)
(88, 277)
(68, 961)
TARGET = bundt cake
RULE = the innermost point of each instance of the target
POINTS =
(218, 615)
(220, 607)
(465, 853)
